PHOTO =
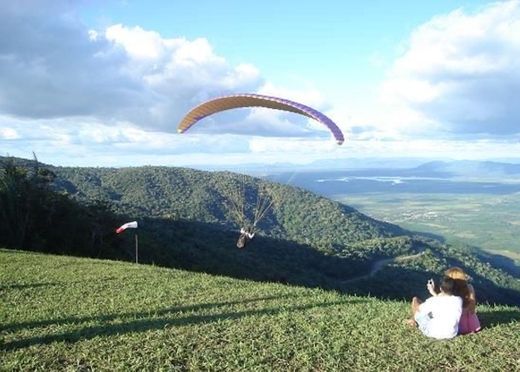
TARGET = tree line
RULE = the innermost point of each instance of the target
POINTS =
(35, 217)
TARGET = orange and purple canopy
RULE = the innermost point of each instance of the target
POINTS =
(256, 100)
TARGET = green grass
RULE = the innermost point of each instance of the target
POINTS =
(487, 221)
(65, 313)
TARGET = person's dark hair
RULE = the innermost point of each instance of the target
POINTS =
(448, 285)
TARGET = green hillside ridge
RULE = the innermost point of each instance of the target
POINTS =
(305, 240)
(302, 217)
(182, 193)
(66, 313)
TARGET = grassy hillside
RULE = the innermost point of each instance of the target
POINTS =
(63, 313)
(184, 223)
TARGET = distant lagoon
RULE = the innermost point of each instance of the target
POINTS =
(337, 184)
(392, 180)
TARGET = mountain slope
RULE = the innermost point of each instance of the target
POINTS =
(179, 193)
(305, 240)
(301, 222)
(65, 313)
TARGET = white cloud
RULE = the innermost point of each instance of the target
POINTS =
(478, 149)
(63, 69)
(83, 142)
(8, 134)
(79, 96)
(460, 75)
(138, 43)
(73, 89)
(280, 146)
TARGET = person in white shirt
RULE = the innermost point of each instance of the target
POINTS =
(438, 317)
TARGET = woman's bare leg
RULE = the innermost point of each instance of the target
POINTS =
(416, 301)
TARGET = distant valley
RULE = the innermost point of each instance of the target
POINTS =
(470, 202)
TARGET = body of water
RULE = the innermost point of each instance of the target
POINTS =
(336, 183)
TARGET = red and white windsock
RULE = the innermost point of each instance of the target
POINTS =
(128, 225)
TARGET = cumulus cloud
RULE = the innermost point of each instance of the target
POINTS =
(460, 74)
(178, 73)
(114, 96)
(56, 67)
(8, 134)
(53, 66)
(107, 95)
(82, 141)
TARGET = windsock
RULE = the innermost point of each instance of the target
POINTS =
(128, 225)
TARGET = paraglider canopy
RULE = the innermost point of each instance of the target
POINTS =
(256, 100)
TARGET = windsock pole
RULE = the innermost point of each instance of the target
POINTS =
(136, 249)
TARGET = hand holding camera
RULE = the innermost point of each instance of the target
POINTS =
(431, 287)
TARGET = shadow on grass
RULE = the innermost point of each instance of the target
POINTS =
(109, 317)
(27, 286)
(492, 318)
(54, 284)
(147, 324)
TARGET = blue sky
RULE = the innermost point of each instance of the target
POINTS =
(97, 83)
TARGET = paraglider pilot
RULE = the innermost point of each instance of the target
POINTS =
(246, 234)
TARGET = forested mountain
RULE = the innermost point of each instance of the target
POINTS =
(188, 219)
(187, 194)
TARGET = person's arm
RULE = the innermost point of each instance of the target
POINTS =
(250, 235)
(431, 287)
(472, 299)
